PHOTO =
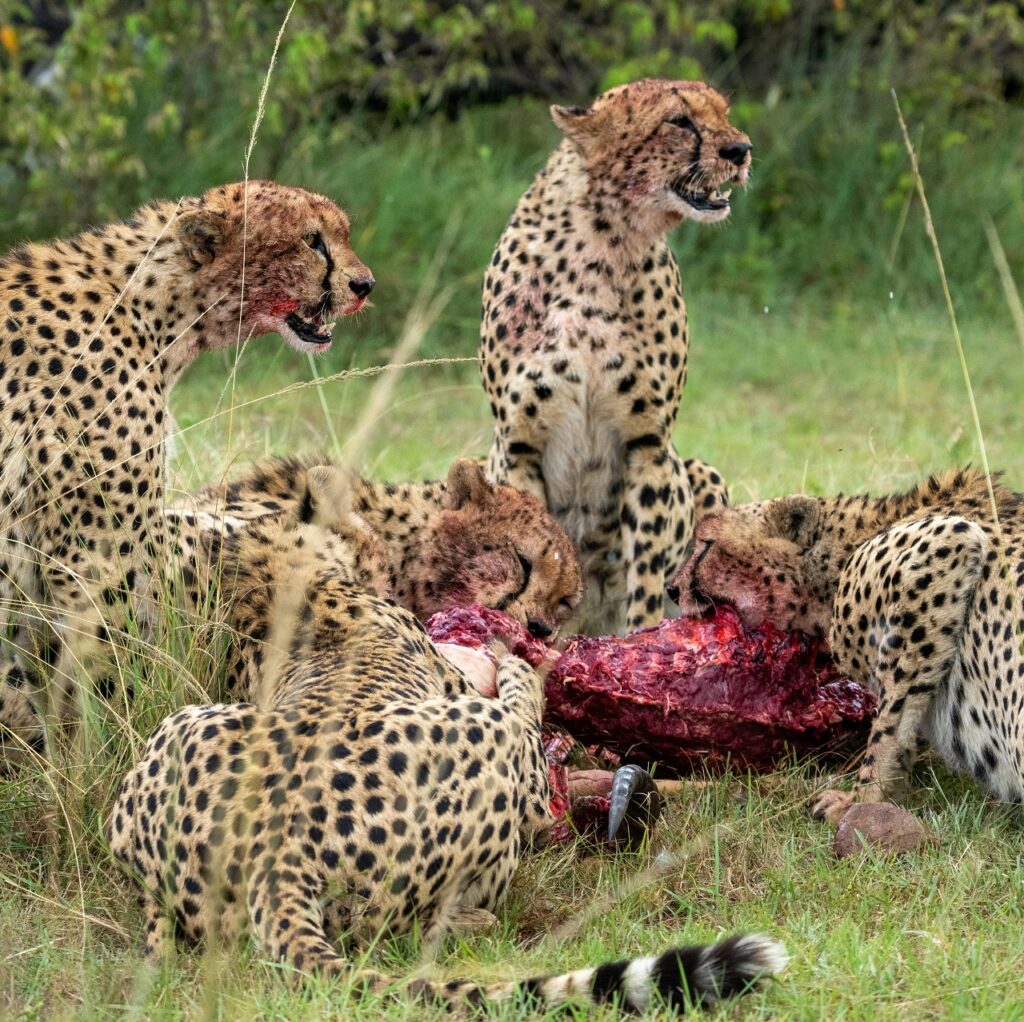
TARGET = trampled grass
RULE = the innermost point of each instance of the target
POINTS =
(786, 393)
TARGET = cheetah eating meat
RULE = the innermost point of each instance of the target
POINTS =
(376, 793)
(446, 543)
(920, 595)
(690, 694)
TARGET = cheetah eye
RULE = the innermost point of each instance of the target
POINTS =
(684, 122)
(527, 566)
(315, 240)
(565, 604)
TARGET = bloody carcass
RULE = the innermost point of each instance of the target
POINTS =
(690, 694)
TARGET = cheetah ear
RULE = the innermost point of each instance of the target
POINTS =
(328, 494)
(796, 519)
(466, 484)
(577, 123)
(201, 233)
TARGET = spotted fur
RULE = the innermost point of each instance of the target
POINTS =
(373, 793)
(584, 335)
(921, 597)
(94, 332)
(447, 543)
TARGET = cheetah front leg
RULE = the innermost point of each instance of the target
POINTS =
(517, 460)
(22, 734)
(897, 628)
(158, 935)
(521, 689)
(647, 524)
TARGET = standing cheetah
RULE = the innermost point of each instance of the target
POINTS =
(922, 597)
(94, 332)
(374, 792)
(584, 335)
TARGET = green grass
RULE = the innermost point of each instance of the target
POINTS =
(795, 399)
(937, 935)
(793, 387)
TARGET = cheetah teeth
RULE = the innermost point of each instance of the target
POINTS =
(712, 199)
(312, 331)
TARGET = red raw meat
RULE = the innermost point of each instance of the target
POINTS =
(687, 694)
(477, 627)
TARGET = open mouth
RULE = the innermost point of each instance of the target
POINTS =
(312, 329)
(712, 199)
(312, 325)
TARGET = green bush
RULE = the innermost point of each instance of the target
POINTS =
(133, 100)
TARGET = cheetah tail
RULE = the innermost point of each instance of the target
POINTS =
(700, 975)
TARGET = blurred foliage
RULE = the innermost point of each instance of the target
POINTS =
(105, 103)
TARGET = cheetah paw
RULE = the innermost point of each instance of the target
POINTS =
(464, 922)
(831, 805)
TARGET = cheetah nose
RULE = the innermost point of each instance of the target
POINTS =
(537, 628)
(673, 592)
(735, 152)
(361, 286)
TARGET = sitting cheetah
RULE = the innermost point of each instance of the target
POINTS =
(584, 335)
(376, 792)
(95, 332)
(921, 597)
(448, 544)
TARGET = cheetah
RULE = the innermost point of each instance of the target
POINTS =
(203, 591)
(95, 331)
(920, 595)
(583, 338)
(448, 543)
(375, 793)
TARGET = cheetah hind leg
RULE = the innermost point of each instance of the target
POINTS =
(22, 733)
(287, 919)
(917, 619)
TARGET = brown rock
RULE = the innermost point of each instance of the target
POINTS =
(879, 827)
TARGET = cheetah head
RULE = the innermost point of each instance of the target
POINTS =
(284, 251)
(327, 502)
(765, 560)
(665, 148)
(499, 547)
